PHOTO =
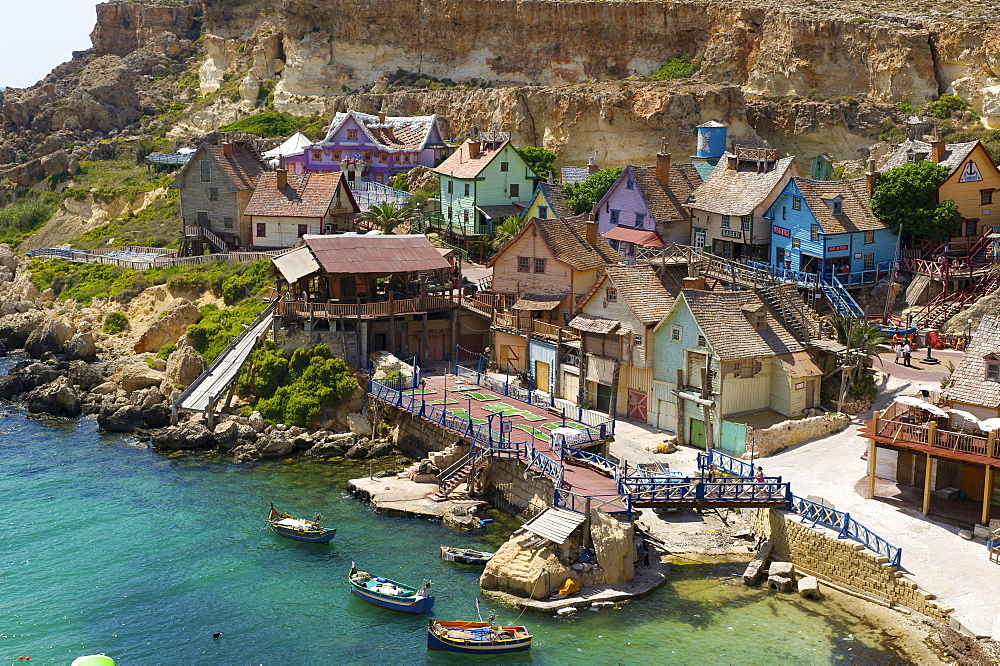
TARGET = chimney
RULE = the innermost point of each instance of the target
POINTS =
(871, 177)
(281, 178)
(937, 150)
(381, 118)
(592, 164)
(592, 235)
(697, 283)
(227, 150)
(474, 147)
(663, 163)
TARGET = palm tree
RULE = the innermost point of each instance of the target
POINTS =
(507, 230)
(864, 342)
(388, 216)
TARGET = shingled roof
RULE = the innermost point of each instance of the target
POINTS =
(344, 254)
(856, 204)
(954, 154)
(640, 289)
(305, 195)
(390, 133)
(566, 238)
(968, 381)
(242, 169)
(666, 204)
(556, 196)
(738, 191)
(728, 329)
(460, 165)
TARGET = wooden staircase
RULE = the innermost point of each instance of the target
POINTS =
(947, 304)
(199, 233)
(784, 302)
(455, 475)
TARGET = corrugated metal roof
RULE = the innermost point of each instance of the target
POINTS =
(375, 254)
(799, 364)
(643, 237)
(296, 264)
(554, 524)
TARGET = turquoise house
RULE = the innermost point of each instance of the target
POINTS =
(828, 227)
(482, 184)
(721, 358)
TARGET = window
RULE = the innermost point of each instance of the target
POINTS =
(449, 214)
(745, 223)
(784, 212)
(870, 236)
(614, 216)
(335, 155)
(637, 341)
(985, 197)
(702, 342)
(206, 171)
(524, 264)
(227, 223)
(383, 157)
(737, 369)
(796, 243)
(261, 230)
(725, 221)
(814, 233)
(796, 203)
(869, 261)
(543, 212)
(505, 166)
(539, 265)
(971, 228)
(303, 230)
(630, 185)
(675, 333)
(317, 155)
(640, 219)
(760, 320)
(352, 135)
(993, 372)
(838, 207)
(451, 187)
(515, 190)
(611, 295)
(465, 215)
(368, 157)
(406, 158)
(213, 193)
(466, 189)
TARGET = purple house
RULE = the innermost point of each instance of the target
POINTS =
(373, 148)
(645, 206)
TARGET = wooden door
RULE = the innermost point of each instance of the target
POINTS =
(542, 376)
(810, 394)
(697, 430)
(603, 398)
(972, 482)
(637, 402)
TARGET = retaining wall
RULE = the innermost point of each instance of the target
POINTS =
(508, 490)
(818, 552)
(789, 433)
(417, 437)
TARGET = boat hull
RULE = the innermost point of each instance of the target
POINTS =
(414, 605)
(299, 530)
(465, 556)
(435, 641)
(325, 537)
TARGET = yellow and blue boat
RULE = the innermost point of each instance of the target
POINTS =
(291, 527)
(476, 637)
(390, 594)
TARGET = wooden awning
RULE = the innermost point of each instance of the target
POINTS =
(554, 524)
(296, 264)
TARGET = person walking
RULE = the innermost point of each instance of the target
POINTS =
(760, 474)
(907, 355)
(899, 350)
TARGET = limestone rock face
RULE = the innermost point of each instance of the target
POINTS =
(124, 27)
(7, 258)
(124, 418)
(59, 398)
(533, 573)
(184, 365)
(81, 346)
(613, 545)
(188, 435)
(51, 336)
(359, 424)
(168, 328)
(138, 376)
(15, 328)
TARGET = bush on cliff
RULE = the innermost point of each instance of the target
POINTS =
(294, 387)
(681, 67)
(276, 124)
(26, 214)
(114, 323)
(219, 326)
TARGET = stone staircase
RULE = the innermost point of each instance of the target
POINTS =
(457, 464)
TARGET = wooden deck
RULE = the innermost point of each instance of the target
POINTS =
(305, 309)
(907, 428)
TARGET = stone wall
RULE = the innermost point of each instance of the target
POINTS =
(789, 433)
(843, 562)
(417, 437)
(508, 488)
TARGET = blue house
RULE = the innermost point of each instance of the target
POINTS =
(828, 227)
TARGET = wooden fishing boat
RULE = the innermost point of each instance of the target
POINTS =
(476, 637)
(465, 555)
(299, 529)
(386, 593)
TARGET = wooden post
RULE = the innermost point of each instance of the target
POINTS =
(588, 539)
(987, 494)
(872, 449)
(680, 408)
(927, 487)
(931, 432)
(990, 439)
(875, 418)
(706, 394)
(425, 351)
(392, 322)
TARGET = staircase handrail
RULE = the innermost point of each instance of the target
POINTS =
(846, 526)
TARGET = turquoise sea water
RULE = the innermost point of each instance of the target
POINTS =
(110, 547)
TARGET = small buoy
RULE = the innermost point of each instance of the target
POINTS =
(216, 634)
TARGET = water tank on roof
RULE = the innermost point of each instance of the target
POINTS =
(711, 140)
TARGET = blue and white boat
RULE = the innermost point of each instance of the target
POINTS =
(390, 594)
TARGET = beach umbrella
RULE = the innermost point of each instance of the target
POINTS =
(911, 401)
(971, 418)
(929, 387)
(990, 424)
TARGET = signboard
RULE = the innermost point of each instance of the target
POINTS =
(729, 233)
(837, 248)
(781, 231)
(505, 427)
(970, 172)
(857, 255)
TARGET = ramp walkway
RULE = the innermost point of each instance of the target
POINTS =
(203, 394)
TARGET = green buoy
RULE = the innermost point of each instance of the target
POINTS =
(93, 660)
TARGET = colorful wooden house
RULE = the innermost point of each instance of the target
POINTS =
(615, 323)
(481, 184)
(645, 206)
(549, 200)
(720, 357)
(727, 209)
(285, 207)
(827, 227)
(373, 147)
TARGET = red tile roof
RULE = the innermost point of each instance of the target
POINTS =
(460, 165)
(305, 195)
(375, 254)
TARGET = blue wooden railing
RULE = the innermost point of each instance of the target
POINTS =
(729, 490)
(846, 527)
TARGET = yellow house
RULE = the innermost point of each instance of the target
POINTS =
(548, 201)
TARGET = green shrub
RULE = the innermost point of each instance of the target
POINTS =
(582, 196)
(114, 323)
(276, 124)
(27, 214)
(219, 326)
(945, 105)
(681, 67)
(151, 362)
(864, 388)
(166, 350)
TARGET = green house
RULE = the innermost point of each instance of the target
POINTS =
(482, 184)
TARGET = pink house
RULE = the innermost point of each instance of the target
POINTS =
(373, 147)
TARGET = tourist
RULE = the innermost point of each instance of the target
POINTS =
(711, 474)
(898, 349)
(907, 355)
(760, 474)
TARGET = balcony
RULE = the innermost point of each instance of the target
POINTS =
(910, 428)
(520, 323)
(308, 309)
